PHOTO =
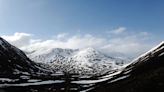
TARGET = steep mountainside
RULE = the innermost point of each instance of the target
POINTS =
(144, 74)
(14, 61)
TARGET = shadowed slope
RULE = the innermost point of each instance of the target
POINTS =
(14, 61)
(145, 73)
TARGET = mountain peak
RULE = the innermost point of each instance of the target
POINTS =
(88, 51)
(83, 60)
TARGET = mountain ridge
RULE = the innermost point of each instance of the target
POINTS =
(76, 61)
(144, 74)
(13, 60)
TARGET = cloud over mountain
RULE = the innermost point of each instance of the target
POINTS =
(127, 43)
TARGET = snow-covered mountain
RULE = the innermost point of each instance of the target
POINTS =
(78, 61)
(84, 61)
(49, 55)
(19, 73)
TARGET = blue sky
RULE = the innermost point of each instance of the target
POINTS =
(47, 18)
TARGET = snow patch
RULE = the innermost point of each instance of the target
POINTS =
(32, 84)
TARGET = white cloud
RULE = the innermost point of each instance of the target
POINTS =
(129, 45)
(62, 35)
(117, 30)
(73, 42)
(18, 39)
